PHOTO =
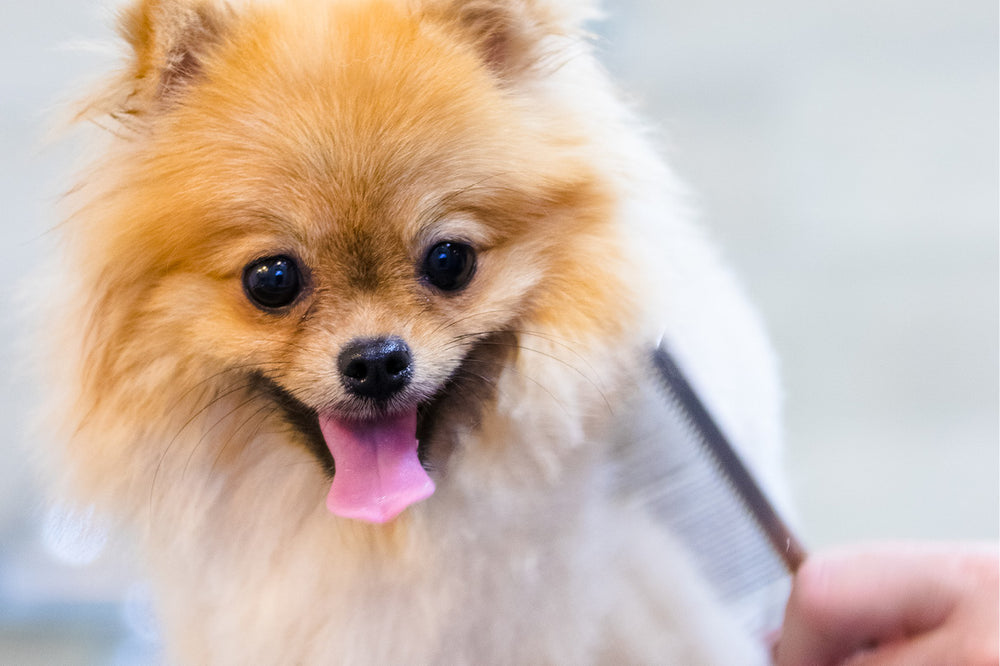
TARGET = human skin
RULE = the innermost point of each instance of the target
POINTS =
(906, 604)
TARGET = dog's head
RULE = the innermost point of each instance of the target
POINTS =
(354, 207)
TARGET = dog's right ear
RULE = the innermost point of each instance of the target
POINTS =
(169, 41)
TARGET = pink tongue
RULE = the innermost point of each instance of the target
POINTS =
(377, 472)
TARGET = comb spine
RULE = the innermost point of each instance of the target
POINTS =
(782, 540)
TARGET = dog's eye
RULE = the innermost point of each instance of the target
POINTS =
(449, 266)
(273, 282)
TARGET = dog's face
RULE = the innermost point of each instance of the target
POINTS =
(358, 207)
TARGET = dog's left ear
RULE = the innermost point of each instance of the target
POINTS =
(513, 35)
(168, 42)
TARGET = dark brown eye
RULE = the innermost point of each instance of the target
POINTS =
(272, 282)
(450, 265)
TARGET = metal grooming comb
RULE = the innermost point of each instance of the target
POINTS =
(707, 500)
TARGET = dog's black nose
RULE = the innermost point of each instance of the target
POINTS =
(375, 368)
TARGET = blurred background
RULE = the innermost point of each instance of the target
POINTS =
(845, 155)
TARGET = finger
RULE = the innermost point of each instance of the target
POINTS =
(844, 602)
(935, 648)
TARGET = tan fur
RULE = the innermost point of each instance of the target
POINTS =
(353, 134)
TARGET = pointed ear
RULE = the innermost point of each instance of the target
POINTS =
(169, 40)
(513, 35)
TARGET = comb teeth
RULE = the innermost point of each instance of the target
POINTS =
(782, 542)
(732, 552)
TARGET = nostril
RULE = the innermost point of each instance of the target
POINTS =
(356, 368)
(397, 363)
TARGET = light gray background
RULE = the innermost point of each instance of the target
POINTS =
(845, 156)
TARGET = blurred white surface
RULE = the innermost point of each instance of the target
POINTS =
(844, 154)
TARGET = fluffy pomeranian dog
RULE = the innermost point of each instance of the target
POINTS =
(354, 333)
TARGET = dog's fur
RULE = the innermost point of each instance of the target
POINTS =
(351, 134)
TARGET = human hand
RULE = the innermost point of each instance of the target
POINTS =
(894, 604)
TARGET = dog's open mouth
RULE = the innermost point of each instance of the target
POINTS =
(379, 466)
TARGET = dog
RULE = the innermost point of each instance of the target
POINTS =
(352, 332)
